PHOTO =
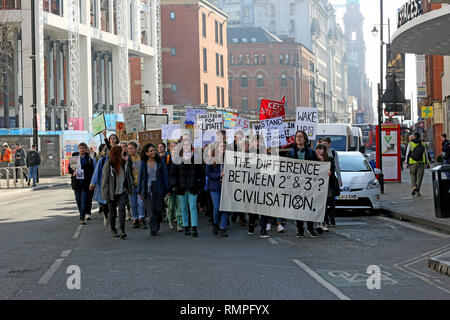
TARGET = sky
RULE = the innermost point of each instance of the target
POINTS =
(371, 12)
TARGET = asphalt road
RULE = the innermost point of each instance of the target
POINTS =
(41, 239)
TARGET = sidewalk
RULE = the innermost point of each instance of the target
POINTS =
(44, 183)
(399, 203)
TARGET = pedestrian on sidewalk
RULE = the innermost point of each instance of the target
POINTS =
(114, 189)
(215, 173)
(19, 161)
(6, 156)
(81, 178)
(417, 159)
(185, 182)
(173, 210)
(33, 161)
(445, 152)
(153, 185)
(302, 151)
(132, 169)
(96, 184)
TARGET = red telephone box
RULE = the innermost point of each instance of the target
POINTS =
(391, 152)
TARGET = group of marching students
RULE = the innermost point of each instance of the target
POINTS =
(150, 183)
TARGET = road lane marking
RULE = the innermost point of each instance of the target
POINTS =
(50, 272)
(272, 241)
(65, 253)
(2, 203)
(283, 240)
(321, 280)
(77, 233)
(416, 228)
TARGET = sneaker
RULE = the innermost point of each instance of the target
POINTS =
(312, 233)
(88, 217)
(251, 230)
(280, 228)
(180, 229)
(114, 233)
(264, 234)
(194, 232)
(123, 235)
(269, 227)
(300, 234)
(82, 222)
(325, 228)
(29, 182)
(223, 234)
(105, 221)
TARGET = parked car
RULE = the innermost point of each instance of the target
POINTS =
(360, 188)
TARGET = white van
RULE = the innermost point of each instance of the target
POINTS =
(340, 134)
(357, 138)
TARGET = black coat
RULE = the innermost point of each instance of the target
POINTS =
(88, 168)
(186, 177)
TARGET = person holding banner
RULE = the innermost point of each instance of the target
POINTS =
(153, 185)
(214, 172)
(171, 200)
(185, 180)
(115, 189)
(302, 151)
(132, 169)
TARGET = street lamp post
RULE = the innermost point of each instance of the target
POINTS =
(33, 57)
(380, 92)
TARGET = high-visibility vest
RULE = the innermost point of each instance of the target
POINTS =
(7, 155)
(412, 146)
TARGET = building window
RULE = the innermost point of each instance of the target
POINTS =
(292, 26)
(256, 58)
(217, 64)
(218, 97)
(244, 81)
(216, 33)
(287, 59)
(244, 104)
(204, 24)
(240, 59)
(281, 58)
(247, 59)
(173, 51)
(259, 102)
(272, 10)
(205, 61)
(205, 93)
(174, 88)
(172, 15)
(222, 90)
(263, 59)
(221, 65)
(283, 81)
(230, 83)
(231, 58)
(260, 81)
(272, 26)
(221, 33)
(291, 9)
(311, 66)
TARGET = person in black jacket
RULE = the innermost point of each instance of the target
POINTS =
(81, 179)
(19, 160)
(302, 151)
(33, 162)
(446, 152)
(185, 182)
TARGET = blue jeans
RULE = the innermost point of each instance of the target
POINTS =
(137, 205)
(447, 173)
(33, 173)
(220, 217)
(188, 202)
(81, 197)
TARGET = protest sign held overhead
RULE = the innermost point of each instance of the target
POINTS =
(229, 119)
(272, 130)
(210, 121)
(276, 187)
(155, 121)
(272, 109)
(121, 132)
(191, 117)
(306, 120)
(133, 118)
(290, 129)
(98, 124)
(243, 124)
(151, 136)
(170, 131)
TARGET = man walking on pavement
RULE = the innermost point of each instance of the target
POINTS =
(417, 158)
(19, 160)
(33, 162)
(446, 152)
(6, 156)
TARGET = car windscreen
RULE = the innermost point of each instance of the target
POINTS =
(353, 163)
(338, 143)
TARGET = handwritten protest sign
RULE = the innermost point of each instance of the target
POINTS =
(191, 117)
(170, 131)
(290, 129)
(276, 187)
(151, 136)
(133, 118)
(210, 121)
(272, 130)
(244, 124)
(121, 132)
(98, 124)
(272, 109)
(229, 119)
(155, 121)
(306, 120)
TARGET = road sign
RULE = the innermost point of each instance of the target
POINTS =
(427, 112)
(389, 114)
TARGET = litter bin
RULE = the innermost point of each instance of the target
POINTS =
(441, 192)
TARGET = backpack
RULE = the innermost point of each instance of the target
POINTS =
(417, 153)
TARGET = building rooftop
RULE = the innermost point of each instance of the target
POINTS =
(250, 35)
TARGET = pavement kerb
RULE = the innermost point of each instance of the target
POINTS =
(415, 219)
(439, 265)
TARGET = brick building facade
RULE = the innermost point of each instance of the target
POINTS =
(195, 56)
(263, 66)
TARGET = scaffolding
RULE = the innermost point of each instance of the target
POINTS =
(74, 57)
(123, 50)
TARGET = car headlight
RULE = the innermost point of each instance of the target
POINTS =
(373, 184)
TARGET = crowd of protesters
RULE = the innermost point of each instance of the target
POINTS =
(18, 158)
(180, 184)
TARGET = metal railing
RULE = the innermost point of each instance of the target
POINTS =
(8, 172)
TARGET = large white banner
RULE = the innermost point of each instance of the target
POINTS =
(306, 120)
(133, 119)
(275, 186)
